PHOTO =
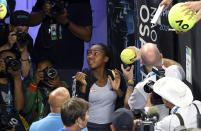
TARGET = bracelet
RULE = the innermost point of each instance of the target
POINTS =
(131, 83)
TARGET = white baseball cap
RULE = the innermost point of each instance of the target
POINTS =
(174, 91)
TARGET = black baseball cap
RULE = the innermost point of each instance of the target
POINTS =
(20, 18)
(122, 119)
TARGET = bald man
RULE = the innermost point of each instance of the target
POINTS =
(150, 56)
(53, 121)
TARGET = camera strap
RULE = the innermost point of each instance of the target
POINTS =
(196, 108)
(181, 120)
(198, 116)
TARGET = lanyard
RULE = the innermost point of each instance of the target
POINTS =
(152, 74)
(175, 110)
(8, 109)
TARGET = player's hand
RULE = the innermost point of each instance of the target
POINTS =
(81, 77)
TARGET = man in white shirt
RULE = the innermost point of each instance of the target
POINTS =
(178, 97)
(150, 56)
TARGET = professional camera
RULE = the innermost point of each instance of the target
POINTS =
(57, 7)
(144, 126)
(148, 87)
(147, 121)
(160, 72)
(7, 119)
(22, 38)
(50, 73)
(12, 63)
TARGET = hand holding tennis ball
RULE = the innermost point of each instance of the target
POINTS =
(127, 55)
(181, 20)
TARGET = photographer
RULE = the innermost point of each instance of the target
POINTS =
(65, 25)
(37, 91)
(11, 93)
(178, 97)
(19, 41)
(150, 57)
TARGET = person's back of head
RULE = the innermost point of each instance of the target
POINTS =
(57, 97)
(122, 120)
(74, 113)
(150, 55)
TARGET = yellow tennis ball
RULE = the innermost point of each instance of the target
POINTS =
(178, 20)
(3, 11)
(127, 55)
(113, 73)
(4, 2)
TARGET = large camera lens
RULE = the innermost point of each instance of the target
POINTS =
(50, 73)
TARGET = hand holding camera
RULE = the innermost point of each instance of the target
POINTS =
(38, 77)
(10, 65)
(14, 73)
(47, 8)
(21, 38)
(62, 18)
(47, 77)
(56, 9)
(54, 83)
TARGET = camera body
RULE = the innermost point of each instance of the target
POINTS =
(148, 87)
(144, 126)
(50, 73)
(146, 122)
(12, 63)
(22, 38)
(160, 72)
(7, 119)
(57, 7)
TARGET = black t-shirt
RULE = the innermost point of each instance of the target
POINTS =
(65, 53)
(13, 114)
